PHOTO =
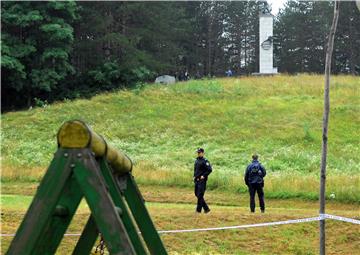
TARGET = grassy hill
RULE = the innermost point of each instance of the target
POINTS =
(159, 127)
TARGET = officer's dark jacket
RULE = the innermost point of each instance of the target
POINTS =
(202, 167)
(254, 173)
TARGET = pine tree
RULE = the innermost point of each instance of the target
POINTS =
(36, 44)
(301, 35)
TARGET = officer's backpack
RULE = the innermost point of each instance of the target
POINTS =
(255, 170)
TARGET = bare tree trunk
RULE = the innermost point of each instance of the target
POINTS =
(239, 40)
(209, 48)
(28, 97)
(210, 21)
(329, 51)
(239, 53)
(352, 53)
(245, 47)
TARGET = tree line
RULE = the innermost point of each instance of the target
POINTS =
(56, 50)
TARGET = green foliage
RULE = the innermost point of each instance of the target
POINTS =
(40, 103)
(142, 74)
(36, 44)
(106, 75)
(57, 32)
(111, 76)
(297, 51)
(10, 63)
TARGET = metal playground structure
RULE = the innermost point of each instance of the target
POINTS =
(85, 166)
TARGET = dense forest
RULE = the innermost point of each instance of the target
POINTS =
(64, 50)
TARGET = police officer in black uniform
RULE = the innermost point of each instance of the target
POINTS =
(254, 179)
(202, 169)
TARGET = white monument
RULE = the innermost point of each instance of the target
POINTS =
(266, 44)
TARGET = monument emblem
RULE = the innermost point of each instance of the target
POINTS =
(266, 45)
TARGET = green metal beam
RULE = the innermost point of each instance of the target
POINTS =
(142, 217)
(87, 239)
(120, 203)
(94, 188)
(42, 206)
(60, 219)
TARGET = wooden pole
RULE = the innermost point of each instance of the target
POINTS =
(76, 134)
(329, 51)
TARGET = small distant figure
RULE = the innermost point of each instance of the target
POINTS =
(186, 75)
(254, 179)
(229, 73)
(202, 169)
(197, 75)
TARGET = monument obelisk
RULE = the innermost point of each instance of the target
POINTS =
(266, 47)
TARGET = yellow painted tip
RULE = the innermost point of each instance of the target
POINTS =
(74, 134)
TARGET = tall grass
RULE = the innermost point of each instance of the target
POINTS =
(160, 126)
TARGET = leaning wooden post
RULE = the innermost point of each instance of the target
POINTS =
(329, 51)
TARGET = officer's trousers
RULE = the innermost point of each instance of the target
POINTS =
(200, 187)
(256, 188)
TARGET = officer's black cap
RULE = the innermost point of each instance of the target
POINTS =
(200, 150)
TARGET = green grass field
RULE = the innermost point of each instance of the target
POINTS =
(159, 127)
